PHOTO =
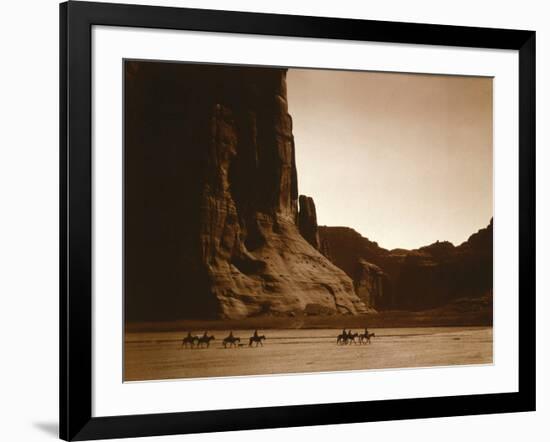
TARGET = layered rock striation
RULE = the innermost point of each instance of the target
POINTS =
(211, 200)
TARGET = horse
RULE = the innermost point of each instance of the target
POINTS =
(257, 340)
(342, 338)
(189, 340)
(365, 337)
(205, 340)
(346, 338)
(231, 341)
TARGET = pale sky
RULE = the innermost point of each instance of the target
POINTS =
(404, 159)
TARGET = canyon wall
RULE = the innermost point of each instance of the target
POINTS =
(212, 220)
(424, 278)
(214, 224)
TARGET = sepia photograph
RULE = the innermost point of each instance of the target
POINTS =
(282, 220)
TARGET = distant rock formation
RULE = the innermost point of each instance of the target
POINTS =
(212, 221)
(428, 277)
(371, 283)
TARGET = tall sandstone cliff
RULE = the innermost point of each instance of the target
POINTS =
(211, 200)
(424, 278)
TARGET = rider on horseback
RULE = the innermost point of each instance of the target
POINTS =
(188, 340)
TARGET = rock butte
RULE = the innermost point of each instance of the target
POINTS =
(230, 216)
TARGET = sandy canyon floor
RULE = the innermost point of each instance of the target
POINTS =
(160, 355)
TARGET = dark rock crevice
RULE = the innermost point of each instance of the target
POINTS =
(307, 221)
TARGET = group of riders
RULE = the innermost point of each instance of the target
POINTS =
(348, 337)
(229, 341)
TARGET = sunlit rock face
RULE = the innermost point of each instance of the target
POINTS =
(212, 217)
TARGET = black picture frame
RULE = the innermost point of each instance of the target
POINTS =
(76, 21)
